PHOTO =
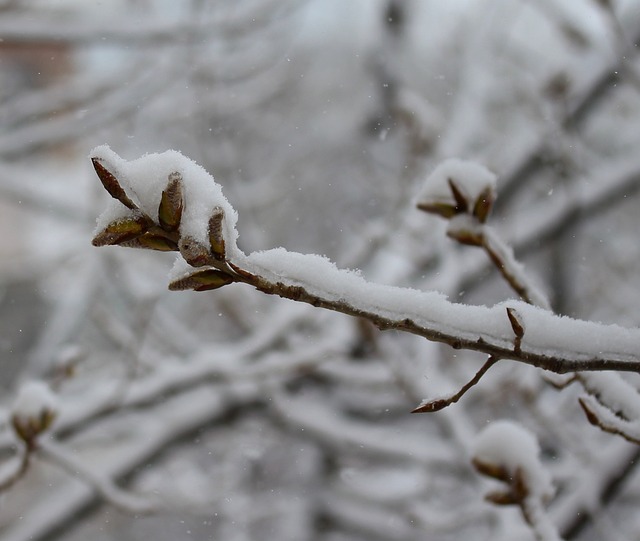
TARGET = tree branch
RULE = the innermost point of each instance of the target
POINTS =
(211, 259)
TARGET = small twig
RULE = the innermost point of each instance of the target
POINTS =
(607, 421)
(441, 403)
(9, 478)
(502, 257)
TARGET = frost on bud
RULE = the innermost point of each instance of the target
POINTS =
(216, 238)
(194, 252)
(122, 230)
(171, 204)
(33, 411)
(201, 280)
(111, 184)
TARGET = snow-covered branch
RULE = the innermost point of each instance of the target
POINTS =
(167, 202)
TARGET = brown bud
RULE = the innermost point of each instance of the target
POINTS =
(588, 411)
(152, 241)
(216, 237)
(194, 253)
(516, 322)
(27, 428)
(466, 236)
(122, 230)
(111, 184)
(171, 204)
(445, 210)
(201, 280)
(497, 471)
(499, 497)
(433, 406)
(483, 204)
(462, 204)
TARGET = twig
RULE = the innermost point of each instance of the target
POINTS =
(512, 271)
(8, 477)
(441, 403)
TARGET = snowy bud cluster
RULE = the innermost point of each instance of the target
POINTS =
(34, 410)
(462, 192)
(167, 202)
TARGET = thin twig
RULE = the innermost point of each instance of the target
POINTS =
(441, 403)
(24, 461)
(502, 257)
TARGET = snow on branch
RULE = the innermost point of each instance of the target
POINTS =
(463, 192)
(169, 203)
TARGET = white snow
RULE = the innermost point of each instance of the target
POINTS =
(33, 399)
(509, 445)
(614, 392)
(545, 333)
(145, 178)
(470, 177)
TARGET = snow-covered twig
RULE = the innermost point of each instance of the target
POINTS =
(32, 414)
(464, 192)
(512, 271)
(611, 404)
(15, 468)
(206, 239)
(437, 404)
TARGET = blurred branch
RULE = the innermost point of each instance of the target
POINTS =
(15, 468)
(104, 486)
(46, 26)
(586, 102)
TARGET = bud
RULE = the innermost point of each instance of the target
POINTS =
(498, 497)
(484, 203)
(152, 241)
(462, 203)
(516, 322)
(201, 280)
(122, 230)
(194, 253)
(458, 187)
(491, 469)
(111, 184)
(33, 411)
(442, 209)
(216, 238)
(171, 204)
